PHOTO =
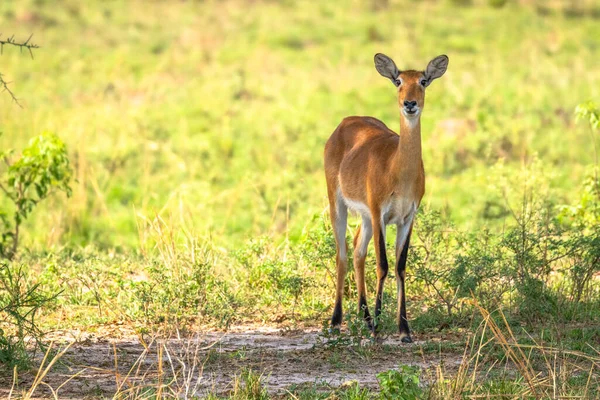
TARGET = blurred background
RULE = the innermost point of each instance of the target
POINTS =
(215, 113)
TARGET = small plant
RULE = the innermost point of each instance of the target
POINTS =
(249, 386)
(20, 300)
(351, 391)
(356, 331)
(433, 259)
(176, 297)
(273, 276)
(590, 112)
(402, 383)
(42, 168)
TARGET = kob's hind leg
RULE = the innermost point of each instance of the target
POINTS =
(361, 243)
(339, 219)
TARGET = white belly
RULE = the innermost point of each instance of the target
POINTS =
(397, 211)
(359, 207)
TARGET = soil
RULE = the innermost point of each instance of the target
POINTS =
(96, 366)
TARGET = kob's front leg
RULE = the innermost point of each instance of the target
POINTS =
(402, 242)
(382, 266)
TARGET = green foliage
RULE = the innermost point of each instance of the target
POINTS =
(179, 287)
(582, 218)
(317, 245)
(176, 296)
(21, 297)
(249, 386)
(478, 270)
(356, 332)
(514, 268)
(401, 383)
(531, 247)
(590, 112)
(41, 169)
(432, 258)
(352, 391)
(278, 279)
(237, 158)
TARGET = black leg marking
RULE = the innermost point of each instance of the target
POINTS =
(401, 273)
(336, 319)
(384, 271)
(382, 255)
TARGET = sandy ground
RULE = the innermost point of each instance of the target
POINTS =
(96, 367)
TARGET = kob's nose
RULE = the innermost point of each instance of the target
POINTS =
(410, 104)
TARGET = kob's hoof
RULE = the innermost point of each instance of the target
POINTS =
(406, 339)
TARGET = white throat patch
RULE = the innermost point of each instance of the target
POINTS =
(411, 119)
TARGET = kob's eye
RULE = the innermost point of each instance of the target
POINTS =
(423, 82)
(397, 82)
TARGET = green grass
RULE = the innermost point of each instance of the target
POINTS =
(218, 115)
(196, 131)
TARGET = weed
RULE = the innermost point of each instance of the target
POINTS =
(248, 385)
(402, 383)
(21, 297)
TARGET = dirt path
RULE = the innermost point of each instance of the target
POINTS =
(209, 362)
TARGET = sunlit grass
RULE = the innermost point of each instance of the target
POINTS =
(196, 134)
(222, 109)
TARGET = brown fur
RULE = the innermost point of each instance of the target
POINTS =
(365, 154)
(371, 164)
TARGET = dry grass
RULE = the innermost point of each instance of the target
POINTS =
(496, 364)
(530, 371)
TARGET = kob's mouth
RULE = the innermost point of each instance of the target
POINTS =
(410, 111)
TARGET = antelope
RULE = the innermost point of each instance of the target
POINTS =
(379, 174)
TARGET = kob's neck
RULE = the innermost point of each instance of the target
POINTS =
(409, 147)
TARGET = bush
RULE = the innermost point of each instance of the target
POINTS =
(400, 384)
(433, 256)
(42, 168)
(20, 300)
(177, 294)
(272, 274)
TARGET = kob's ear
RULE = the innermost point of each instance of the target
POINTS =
(436, 67)
(386, 67)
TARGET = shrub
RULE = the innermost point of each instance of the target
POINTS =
(20, 300)
(433, 257)
(176, 295)
(271, 275)
(42, 168)
(400, 384)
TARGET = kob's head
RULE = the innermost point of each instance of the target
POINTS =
(411, 84)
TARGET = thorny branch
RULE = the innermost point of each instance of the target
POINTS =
(22, 45)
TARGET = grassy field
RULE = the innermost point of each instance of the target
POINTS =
(195, 131)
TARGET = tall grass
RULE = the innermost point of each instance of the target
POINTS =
(196, 130)
(224, 110)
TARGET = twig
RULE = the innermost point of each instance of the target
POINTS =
(22, 45)
(5, 88)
